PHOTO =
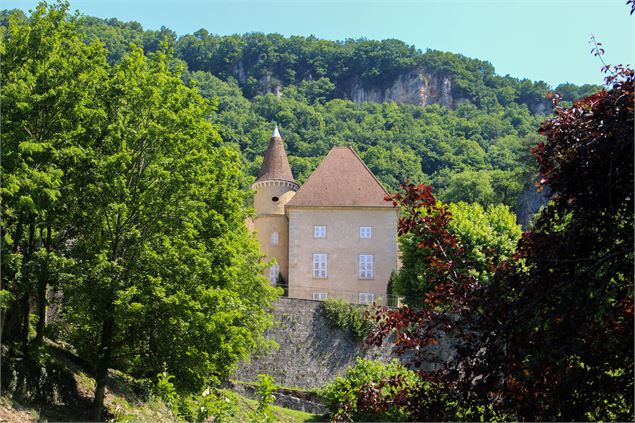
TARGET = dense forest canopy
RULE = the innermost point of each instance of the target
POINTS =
(475, 151)
(252, 57)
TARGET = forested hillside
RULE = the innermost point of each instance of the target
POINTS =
(454, 123)
(125, 256)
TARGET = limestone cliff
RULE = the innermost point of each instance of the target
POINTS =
(420, 86)
(415, 87)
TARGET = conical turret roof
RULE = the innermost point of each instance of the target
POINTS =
(275, 165)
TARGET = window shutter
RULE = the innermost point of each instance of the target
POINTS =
(365, 266)
(320, 267)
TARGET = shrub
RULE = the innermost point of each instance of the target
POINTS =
(211, 404)
(341, 394)
(348, 317)
(264, 390)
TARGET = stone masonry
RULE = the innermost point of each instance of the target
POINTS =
(311, 352)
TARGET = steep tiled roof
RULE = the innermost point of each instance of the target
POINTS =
(341, 180)
(275, 165)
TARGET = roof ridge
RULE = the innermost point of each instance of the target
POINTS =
(340, 181)
(368, 170)
(315, 170)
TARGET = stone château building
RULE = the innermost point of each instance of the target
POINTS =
(335, 236)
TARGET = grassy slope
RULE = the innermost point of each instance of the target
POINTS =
(124, 408)
(121, 402)
(280, 414)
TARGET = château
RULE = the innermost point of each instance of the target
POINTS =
(333, 237)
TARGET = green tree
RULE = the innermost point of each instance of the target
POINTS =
(118, 173)
(393, 166)
(469, 186)
(166, 271)
(265, 392)
(52, 113)
(487, 236)
(342, 392)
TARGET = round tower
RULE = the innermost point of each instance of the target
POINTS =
(274, 187)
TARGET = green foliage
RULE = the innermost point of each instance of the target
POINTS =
(165, 240)
(468, 186)
(491, 130)
(571, 92)
(212, 403)
(281, 282)
(488, 235)
(341, 394)
(265, 389)
(52, 113)
(165, 390)
(119, 191)
(348, 317)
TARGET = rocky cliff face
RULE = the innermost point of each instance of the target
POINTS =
(529, 203)
(414, 87)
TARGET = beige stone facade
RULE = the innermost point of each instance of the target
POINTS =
(343, 246)
(271, 224)
(335, 236)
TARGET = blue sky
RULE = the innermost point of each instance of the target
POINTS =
(541, 39)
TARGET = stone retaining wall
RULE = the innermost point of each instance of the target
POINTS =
(311, 352)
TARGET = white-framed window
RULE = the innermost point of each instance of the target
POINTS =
(274, 238)
(319, 265)
(366, 297)
(365, 266)
(319, 231)
(365, 232)
(320, 296)
(274, 269)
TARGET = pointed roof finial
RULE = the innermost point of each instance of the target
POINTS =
(276, 133)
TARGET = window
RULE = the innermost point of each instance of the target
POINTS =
(366, 297)
(273, 273)
(274, 238)
(320, 296)
(319, 232)
(365, 266)
(319, 266)
(365, 231)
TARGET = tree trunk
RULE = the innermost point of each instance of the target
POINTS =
(103, 362)
(41, 290)
(26, 297)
